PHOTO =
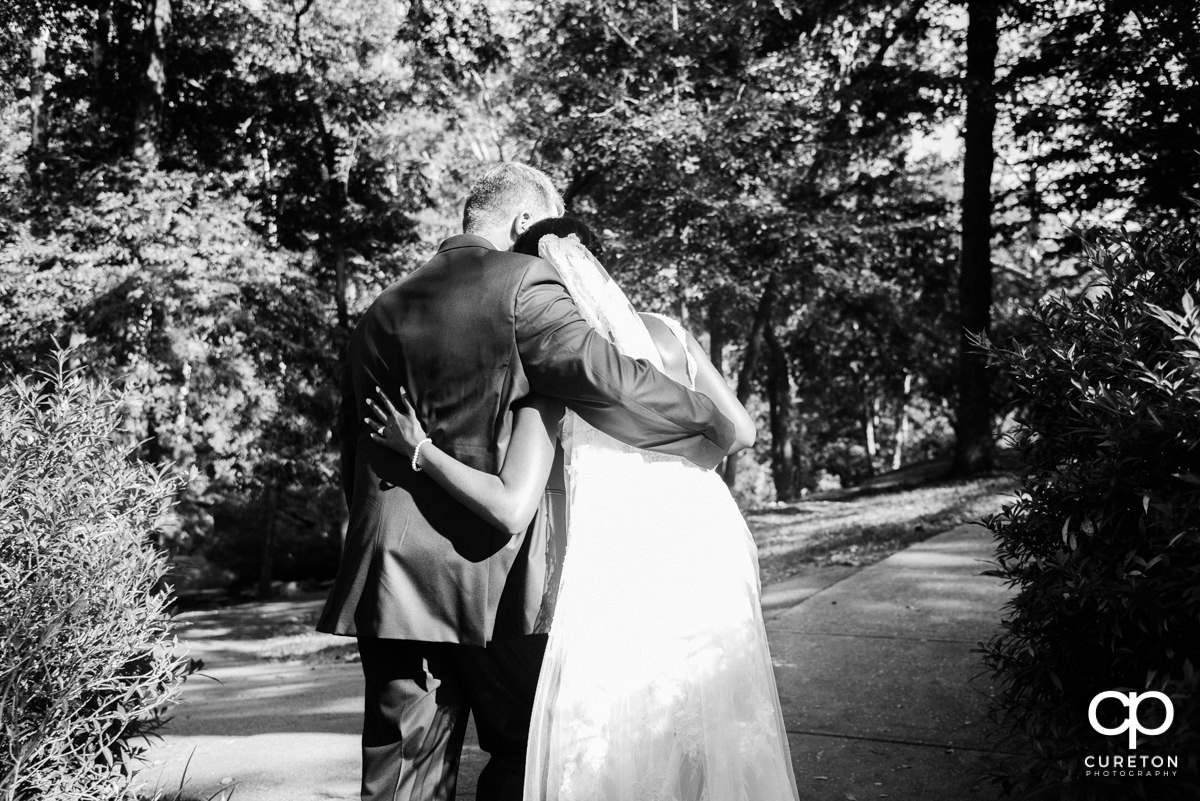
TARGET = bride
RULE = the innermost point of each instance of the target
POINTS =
(657, 683)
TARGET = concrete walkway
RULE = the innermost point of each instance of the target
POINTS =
(876, 670)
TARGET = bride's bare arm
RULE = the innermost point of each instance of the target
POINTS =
(507, 501)
(712, 384)
(708, 380)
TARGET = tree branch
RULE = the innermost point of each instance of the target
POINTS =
(613, 27)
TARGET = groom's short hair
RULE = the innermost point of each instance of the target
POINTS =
(505, 189)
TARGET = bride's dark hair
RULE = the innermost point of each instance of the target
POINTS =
(527, 242)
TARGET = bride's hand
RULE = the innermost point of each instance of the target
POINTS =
(398, 430)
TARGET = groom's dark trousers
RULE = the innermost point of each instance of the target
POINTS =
(442, 603)
(418, 696)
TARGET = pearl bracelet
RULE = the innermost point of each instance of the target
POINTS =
(417, 453)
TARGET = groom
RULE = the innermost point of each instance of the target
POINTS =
(443, 605)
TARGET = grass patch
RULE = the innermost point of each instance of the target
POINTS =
(864, 529)
(310, 647)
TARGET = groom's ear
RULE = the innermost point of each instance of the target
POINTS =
(521, 223)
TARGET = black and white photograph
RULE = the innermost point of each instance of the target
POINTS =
(599, 400)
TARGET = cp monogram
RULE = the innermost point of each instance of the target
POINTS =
(1131, 724)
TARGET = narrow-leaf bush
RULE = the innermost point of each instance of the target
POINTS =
(87, 656)
(1103, 541)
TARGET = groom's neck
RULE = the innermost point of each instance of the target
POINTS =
(498, 237)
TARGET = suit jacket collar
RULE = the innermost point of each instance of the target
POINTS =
(465, 241)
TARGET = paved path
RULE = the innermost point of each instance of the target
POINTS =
(875, 667)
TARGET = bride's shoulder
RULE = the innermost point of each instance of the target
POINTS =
(654, 320)
(667, 328)
(670, 348)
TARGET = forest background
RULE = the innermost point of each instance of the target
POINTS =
(201, 196)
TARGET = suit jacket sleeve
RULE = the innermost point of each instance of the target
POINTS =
(627, 399)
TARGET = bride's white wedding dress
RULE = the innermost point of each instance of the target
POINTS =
(657, 683)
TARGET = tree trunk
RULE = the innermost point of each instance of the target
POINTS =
(152, 449)
(974, 446)
(270, 198)
(102, 75)
(336, 198)
(902, 425)
(716, 343)
(1033, 232)
(341, 276)
(745, 382)
(147, 122)
(266, 564)
(870, 442)
(779, 397)
(716, 335)
(336, 181)
(799, 449)
(126, 86)
(39, 119)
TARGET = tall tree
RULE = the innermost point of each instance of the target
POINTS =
(38, 118)
(974, 446)
(750, 358)
(147, 120)
(779, 402)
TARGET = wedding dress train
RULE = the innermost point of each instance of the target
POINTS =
(657, 683)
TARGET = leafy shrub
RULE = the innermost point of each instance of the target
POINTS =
(86, 649)
(221, 341)
(1103, 542)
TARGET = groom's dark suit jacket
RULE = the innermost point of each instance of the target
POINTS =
(470, 334)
